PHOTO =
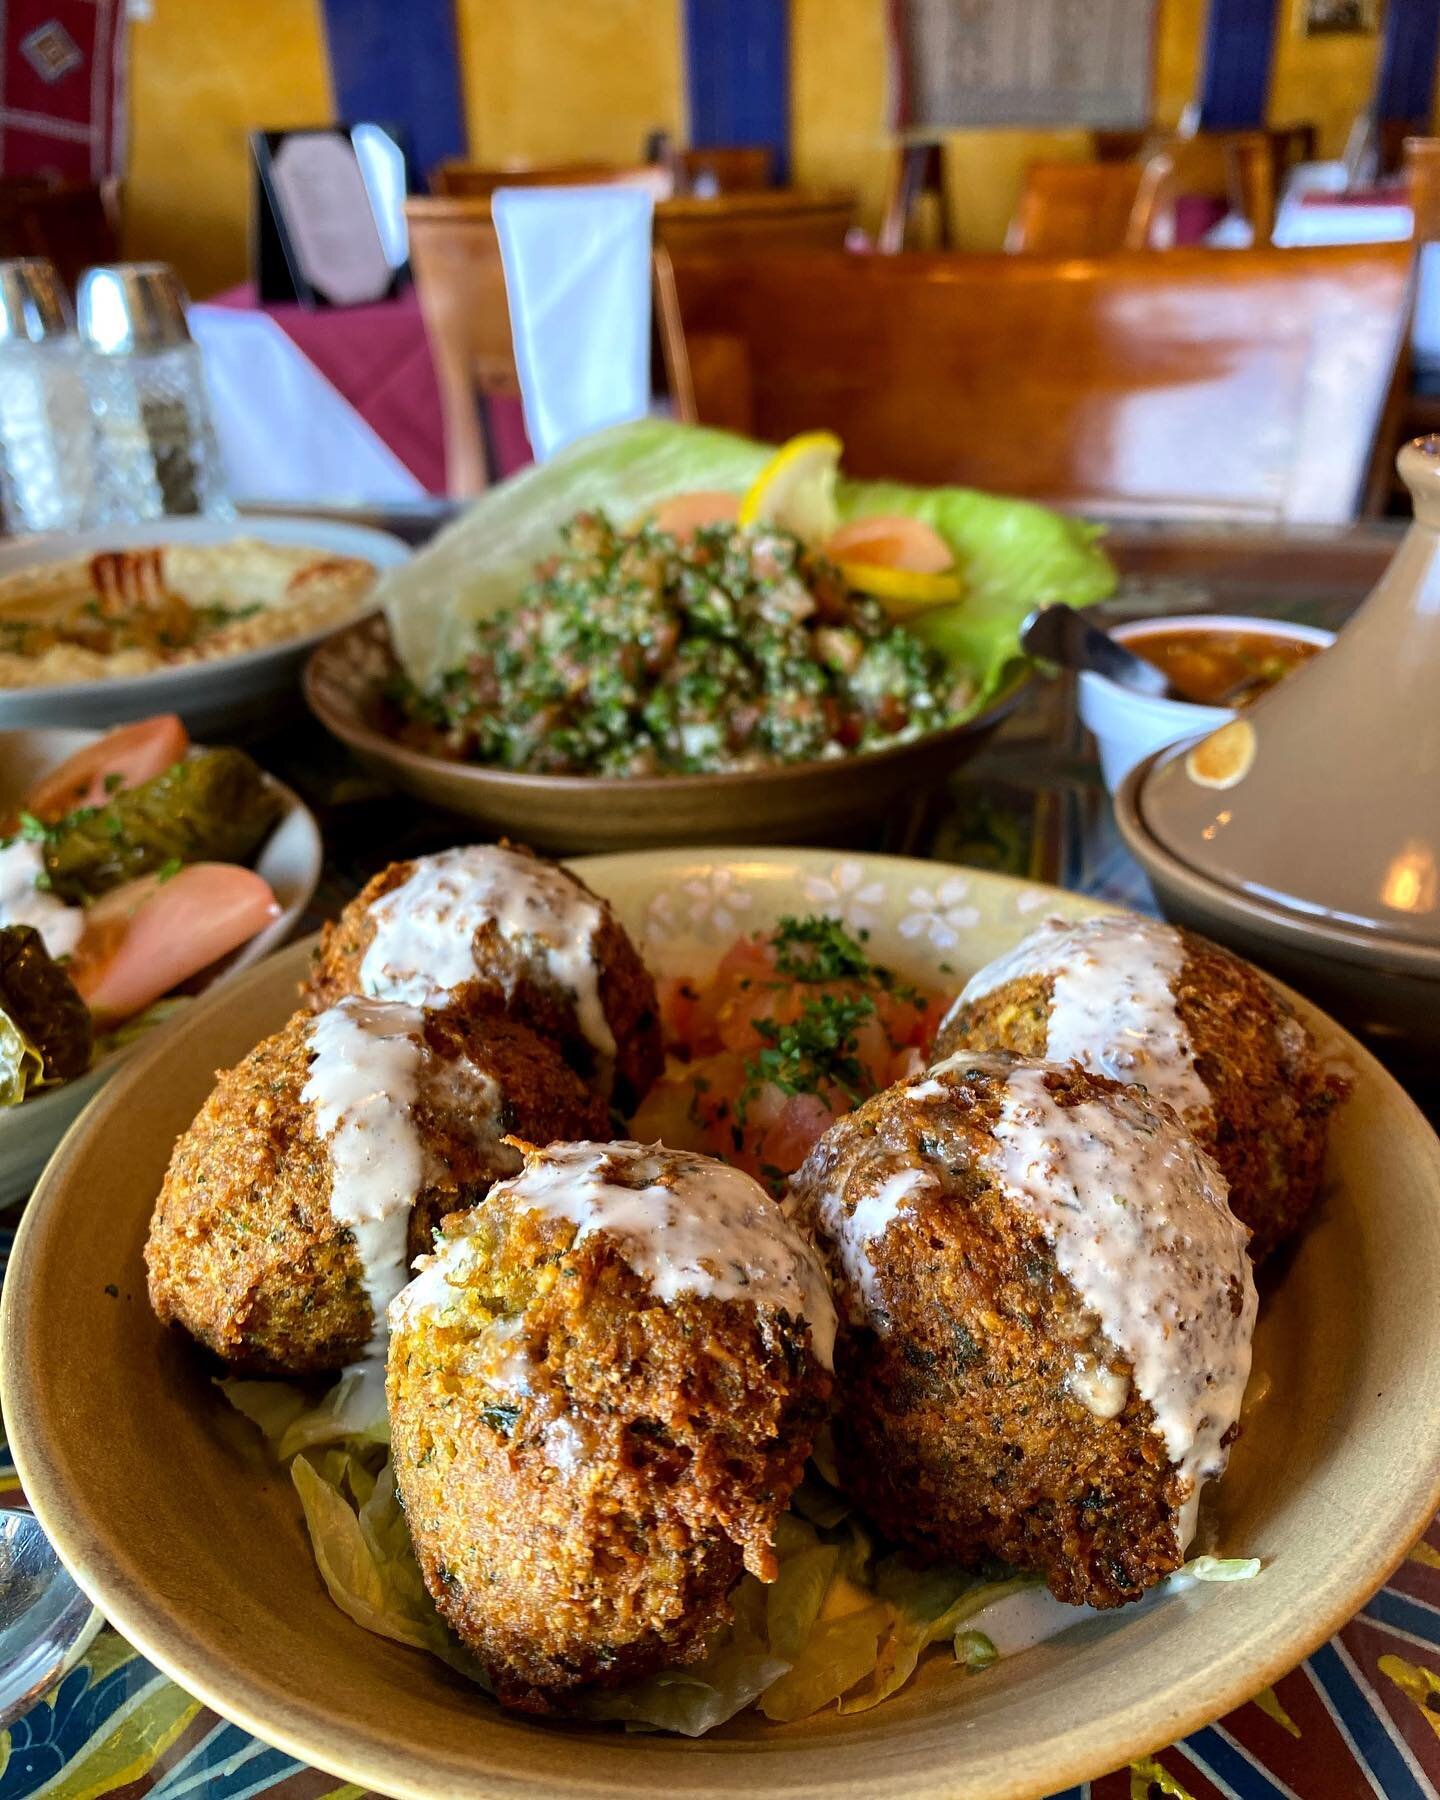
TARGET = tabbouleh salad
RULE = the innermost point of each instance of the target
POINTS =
(636, 653)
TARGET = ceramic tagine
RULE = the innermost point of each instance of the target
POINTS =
(1306, 832)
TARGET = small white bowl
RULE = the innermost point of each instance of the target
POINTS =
(289, 860)
(1129, 726)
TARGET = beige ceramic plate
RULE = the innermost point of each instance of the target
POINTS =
(163, 1503)
(800, 803)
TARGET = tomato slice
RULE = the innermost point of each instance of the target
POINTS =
(682, 515)
(122, 758)
(147, 937)
(891, 542)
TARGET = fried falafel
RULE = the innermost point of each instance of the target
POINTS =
(489, 926)
(603, 1389)
(320, 1166)
(1156, 1006)
(1046, 1311)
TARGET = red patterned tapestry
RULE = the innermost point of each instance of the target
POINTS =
(61, 92)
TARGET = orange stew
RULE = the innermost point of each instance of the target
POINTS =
(1222, 667)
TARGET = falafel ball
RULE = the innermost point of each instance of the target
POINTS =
(1155, 1006)
(492, 926)
(603, 1389)
(1046, 1311)
(320, 1166)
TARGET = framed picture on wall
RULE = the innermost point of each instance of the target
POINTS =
(1327, 18)
(328, 220)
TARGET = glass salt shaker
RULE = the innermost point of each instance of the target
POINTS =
(156, 442)
(47, 459)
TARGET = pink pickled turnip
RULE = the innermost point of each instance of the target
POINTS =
(144, 939)
(123, 758)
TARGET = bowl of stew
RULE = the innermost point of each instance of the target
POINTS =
(1225, 662)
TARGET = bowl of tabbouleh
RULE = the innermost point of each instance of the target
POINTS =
(665, 634)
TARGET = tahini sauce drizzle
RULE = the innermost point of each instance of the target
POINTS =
(368, 1062)
(686, 1224)
(24, 902)
(853, 1230)
(425, 929)
(1112, 1006)
(1138, 1220)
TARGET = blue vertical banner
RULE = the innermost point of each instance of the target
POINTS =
(1405, 88)
(1239, 47)
(738, 69)
(397, 62)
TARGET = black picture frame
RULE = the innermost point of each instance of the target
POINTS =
(277, 259)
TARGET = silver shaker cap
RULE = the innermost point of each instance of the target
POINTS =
(127, 307)
(33, 304)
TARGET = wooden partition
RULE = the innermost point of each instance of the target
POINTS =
(1230, 383)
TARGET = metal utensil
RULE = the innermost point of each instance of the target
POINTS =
(1060, 634)
(125, 308)
(33, 304)
(46, 1623)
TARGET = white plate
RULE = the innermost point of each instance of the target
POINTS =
(213, 698)
(290, 862)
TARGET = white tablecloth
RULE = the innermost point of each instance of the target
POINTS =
(286, 433)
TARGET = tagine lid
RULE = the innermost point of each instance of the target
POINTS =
(1323, 798)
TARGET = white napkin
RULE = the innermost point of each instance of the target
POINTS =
(577, 277)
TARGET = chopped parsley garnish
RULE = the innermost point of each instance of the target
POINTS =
(818, 949)
(815, 1052)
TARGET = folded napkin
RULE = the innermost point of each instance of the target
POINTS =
(577, 277)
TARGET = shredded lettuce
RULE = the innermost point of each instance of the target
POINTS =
(836, 1627)
(1012, 554)
(22, 1067)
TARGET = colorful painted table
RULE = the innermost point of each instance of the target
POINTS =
(1360, 1718)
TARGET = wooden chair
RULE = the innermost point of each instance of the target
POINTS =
(461, 180)
(734, 168)
(1229, 384)
(455, 257)
(1088, 209)
(74, 224)
(1422, 180)
(1234, 167)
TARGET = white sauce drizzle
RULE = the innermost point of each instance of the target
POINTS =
(854, 1230)
(1138, 1220)
(1112, 1005)
(690, 1225)
(423, 948)
(24, 902)
(369, 1061)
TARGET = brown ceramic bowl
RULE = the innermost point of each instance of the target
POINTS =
(1386, 990)
(799, 803)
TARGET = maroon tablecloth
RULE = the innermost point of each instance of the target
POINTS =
(378, 358)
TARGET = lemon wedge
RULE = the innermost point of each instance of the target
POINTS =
(796, 489)
(1223, 758)
(904, 591)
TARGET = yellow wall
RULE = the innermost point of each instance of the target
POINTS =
(560, 80)
(568, 79)
(203, 74)
(1327, 79)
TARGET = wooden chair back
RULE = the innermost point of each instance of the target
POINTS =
(1236, 167)
(455, 259)
(1087, 209)
(744, 223)
(1422, 179)
(72, 223)
(734, 168)
(461, 180)
(1230, 384)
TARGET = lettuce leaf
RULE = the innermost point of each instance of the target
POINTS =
(834, 1627)
(1013, 554)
